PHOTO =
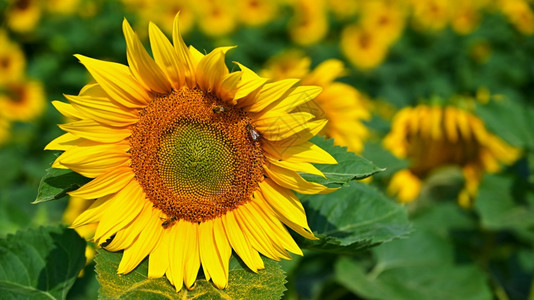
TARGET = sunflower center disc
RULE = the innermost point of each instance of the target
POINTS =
(193, 155)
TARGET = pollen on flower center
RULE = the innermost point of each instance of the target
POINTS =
(193, 155)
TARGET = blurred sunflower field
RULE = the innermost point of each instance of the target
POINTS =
(418, 117)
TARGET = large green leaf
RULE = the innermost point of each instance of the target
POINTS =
(349, 167)
(57, 183)
(40, 263)
(242, 283)
(352, 218)
(419, 267)
(505, 203)
(511, 120)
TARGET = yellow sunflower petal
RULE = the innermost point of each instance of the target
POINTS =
(102, 110)
(94, 161)
(274, 227)
(117, 81)
(175, 273)
(268, 94)
(184, 55)
(292, 180)
(166, 57)
(158, 261)
(259, 240)
(289, 215)
(250, 82)
(212, 261)
(282, 126)
(298, 96)
(296, 166)
(223, 248)
(240, 243)
(129, 201)
(106, 184)
(211, 69)
(305, 152)
(126, 236)
(91, 130)
(143, 67)
(284, 202)
(68, 110)
(93, 214)
(191, 254)
(143, 245)
(63, 142)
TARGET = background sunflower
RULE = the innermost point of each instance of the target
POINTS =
(404, 84)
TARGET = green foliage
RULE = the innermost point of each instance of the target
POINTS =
(57, 183)
(510, 120)
(353, 218)
(242, 283)
(419, 267)
(504, 205)
(349, 165)
(40, 263)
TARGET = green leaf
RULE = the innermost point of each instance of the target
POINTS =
(57, 183)
(420, 267)
(353, 218)
(510, 120)
(349, 167)
(40, 263)
(242, 283)
(503, 203)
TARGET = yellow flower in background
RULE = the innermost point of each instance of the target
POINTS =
(431, 137)
(256, 12)
(344, 9)
(519, 13)
(22, 100)
(430, 15)
(365, 48)
(75, 207)
(465, 15)
(216, 17)
(342, 105)
(12, 60)
(384, 17)
(163, 13)
(23, 15)
(189, 160)
(4, 130)
(62, 7)
(309, 23)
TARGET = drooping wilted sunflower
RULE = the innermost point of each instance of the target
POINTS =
(435, 136)
(190, 161)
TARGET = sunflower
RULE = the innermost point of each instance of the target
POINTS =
(189, 160)
(12, 60)
(23, 15)
(309, 23)
(431, 15)
(22, 100)
(216, 17)
(342, 105)
(435, 136)
(385, 17)
(256, 12)
(364, 47)
(519, 13)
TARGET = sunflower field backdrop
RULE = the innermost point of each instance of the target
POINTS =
(425, 105)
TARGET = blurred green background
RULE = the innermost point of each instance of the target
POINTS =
(475, 56)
